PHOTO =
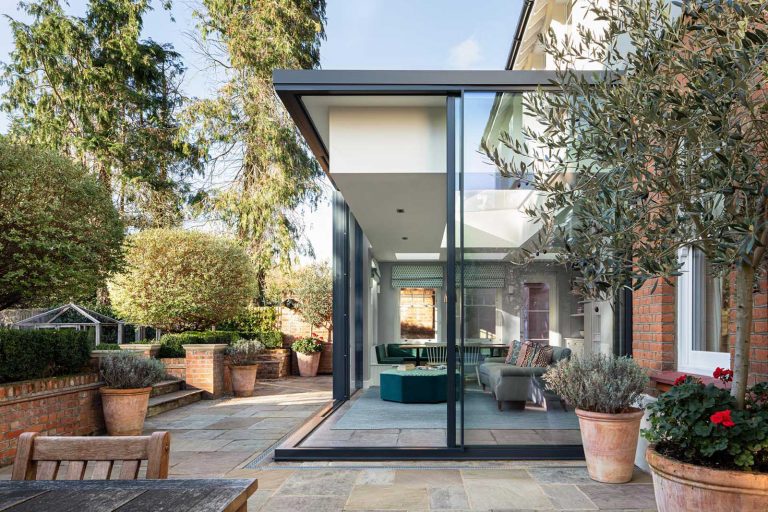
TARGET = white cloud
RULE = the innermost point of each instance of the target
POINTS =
(465, 55)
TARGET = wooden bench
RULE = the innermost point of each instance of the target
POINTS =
(40, 457)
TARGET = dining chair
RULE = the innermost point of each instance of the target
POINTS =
(40, 457)
(437, 355)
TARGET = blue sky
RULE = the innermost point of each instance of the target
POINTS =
(361, 34)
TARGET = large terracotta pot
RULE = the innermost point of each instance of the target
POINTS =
(308, 363)
(681, 486)
(243, 379)
(610, 442)
(124, 410)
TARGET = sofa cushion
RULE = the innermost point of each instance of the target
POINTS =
(513, 352)
(527, 351)
(560, 353)
(543, 356)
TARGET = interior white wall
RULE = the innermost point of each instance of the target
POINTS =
(387, 139)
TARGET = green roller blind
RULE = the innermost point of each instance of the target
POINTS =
(482, 275)
(417, 276)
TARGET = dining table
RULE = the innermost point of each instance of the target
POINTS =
(200, 495)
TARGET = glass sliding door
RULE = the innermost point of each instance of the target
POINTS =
(519, 315)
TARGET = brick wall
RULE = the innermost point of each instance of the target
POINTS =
(205, 368)
(55, 406)
(293, 326)
(653, 326)
(175, 366)
(654, 329)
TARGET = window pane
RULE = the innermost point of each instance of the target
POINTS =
(417, 313)
(710, 306)
(536, 312)
(480, 312)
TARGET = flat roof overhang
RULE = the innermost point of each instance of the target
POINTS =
(291, 85)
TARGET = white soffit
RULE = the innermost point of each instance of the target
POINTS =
(318, 107)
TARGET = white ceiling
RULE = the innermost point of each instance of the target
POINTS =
(317, 106)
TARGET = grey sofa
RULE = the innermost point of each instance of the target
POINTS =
(517, 385)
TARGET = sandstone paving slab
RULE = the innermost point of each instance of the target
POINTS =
(448, 498)
(568, 497)
(241, 434)
(304, 504)
(375, 477)
(246, 445)
(198, 445)
(550, 475)
(387, 497)
(234, 423)
(268, 480)
(625, 496)
(327, 482)
(427, 478)
(499, 489)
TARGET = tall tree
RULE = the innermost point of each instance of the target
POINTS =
(91, 89)
(265, 167)
(667, 153)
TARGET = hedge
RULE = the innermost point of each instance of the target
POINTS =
(33, 354)
(107, 346)
(171, 344)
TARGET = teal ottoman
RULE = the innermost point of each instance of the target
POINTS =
(415, 386)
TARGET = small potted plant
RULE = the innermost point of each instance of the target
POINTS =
(604, 391)
(706, 453)
(308, 355)
(243, 365)
(128, 381)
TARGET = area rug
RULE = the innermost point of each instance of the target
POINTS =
(370, 412)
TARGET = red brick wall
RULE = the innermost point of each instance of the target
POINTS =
(175, 366)
(293, 326)
(653, 327)
(205, 369)
(55, 406)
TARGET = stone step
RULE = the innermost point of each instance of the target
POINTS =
(173, 400)
(167, 386)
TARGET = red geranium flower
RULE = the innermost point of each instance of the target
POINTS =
(723, 374)
(722, 418)
(680, 380)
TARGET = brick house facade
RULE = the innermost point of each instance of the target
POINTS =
(654, 331)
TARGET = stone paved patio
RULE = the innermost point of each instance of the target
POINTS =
(218, 438)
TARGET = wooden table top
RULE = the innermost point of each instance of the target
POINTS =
(204, 495)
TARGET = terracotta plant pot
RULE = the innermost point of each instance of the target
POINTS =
(124, 410)
(308, 363)
(243, 379)
(681, 486)
(610, 443)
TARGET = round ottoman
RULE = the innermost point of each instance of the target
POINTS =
(415, 386)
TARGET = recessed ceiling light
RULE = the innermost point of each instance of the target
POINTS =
(417, 256)
(400, 210)
(405, 238)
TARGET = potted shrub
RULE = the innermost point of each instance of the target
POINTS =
(707, 454)
(604, 391)
(308, 352)
(243, 361)
(125, 397)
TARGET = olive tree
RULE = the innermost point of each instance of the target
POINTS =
(665, 151)
(179, 280)
(313, 290)
(60, 235)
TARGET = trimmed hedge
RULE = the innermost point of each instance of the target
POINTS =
(107, 346)
(33, 354)
(171, 344)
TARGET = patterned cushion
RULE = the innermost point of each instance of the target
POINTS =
(513, 352)
(527, 351)
(543, 356)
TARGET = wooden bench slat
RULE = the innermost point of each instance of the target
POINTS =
(90, 448)
(129, 470)
(47, 469)
(75, 470)
(102, 470)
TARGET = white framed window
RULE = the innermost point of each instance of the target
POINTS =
(702, 316)
(419, 313)
(482, 313)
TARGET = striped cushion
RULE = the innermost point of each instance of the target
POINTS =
(543, 356)
(527, 351)
(513, 352)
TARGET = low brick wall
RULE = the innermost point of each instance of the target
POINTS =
(55, 406)
(175, 366)
(283, 357)
(269, 369)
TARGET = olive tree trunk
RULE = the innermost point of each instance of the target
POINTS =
(745, 275)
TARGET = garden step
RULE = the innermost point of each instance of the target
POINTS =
(167, 386)
(174, 400)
